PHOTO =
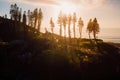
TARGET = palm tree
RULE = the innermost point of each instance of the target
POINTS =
(40, 17)
(80, 25)
(89, 27)
(60, 22)
(69, 23)
(64, 20)
(74, 22)
(95, 28)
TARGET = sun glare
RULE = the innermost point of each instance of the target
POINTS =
(67, 8)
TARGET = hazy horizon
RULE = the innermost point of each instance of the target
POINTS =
(106, 11)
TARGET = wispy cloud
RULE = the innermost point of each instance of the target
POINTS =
(88, 3)
(83, 3)
(50, 2)
(43, 2)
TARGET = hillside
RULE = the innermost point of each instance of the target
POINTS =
(27, 54)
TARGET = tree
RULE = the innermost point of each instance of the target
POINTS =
(74, 22)
(31, 19)
(95, 28)
(24, 24)
(5, 16)
(40, 17)
(60, 22)
(35, 17)
(11, 11)
(80, 25)
(64, 20)
(69, 23)
(52, 25)
(89, 27)
(19, 15)
(28, 16)
(14, 12)
(24, 18)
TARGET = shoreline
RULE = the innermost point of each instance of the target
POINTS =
(114, 44)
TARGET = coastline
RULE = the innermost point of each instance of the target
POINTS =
(114, 44)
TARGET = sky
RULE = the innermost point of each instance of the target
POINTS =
(106, 11)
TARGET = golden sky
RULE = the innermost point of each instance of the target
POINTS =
(106, 11)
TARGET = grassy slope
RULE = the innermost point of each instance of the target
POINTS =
(35, 56)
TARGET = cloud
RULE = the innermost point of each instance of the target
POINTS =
(43, 2)
(81, 3)
(88, 3)
(50, 2)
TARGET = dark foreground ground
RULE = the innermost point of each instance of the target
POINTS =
(32, 56)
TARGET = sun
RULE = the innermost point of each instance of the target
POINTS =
(67, 8)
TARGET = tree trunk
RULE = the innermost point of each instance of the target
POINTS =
(39, 25)
(89, 36)
(69, 31)
(80, 30)
(60, 30)
(65, 31)
(74, 29)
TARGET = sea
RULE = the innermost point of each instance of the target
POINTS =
(110, 34)
(107, 35)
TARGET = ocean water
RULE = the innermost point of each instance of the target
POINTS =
(106, 34)
(110, 34)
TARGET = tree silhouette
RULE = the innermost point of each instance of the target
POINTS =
(89, 27)
(74, 22)
(60, 22)
(69, 23)
(95, 28)
(11, 11)
(80, 25)
(24, 24)
(40, 17)
(64, 23)
(52, 25)
(29, 17)
(15, 12)
(19, 15)
(32, 19)
(35, 13)
(24, 18)
(5, 16)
